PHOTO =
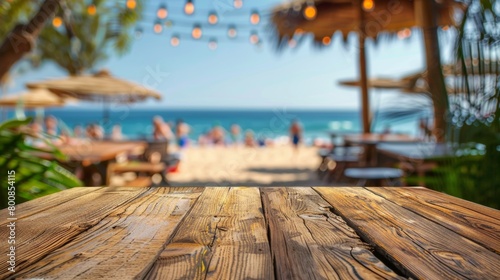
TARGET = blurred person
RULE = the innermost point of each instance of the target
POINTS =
(218, 135)
(36, 135)
(249, 139)
(161, 130)
(235, 131)
(116, 133)
(78, 132)
(181, 133)
(95, 132)
(51, 125)
(296, 133)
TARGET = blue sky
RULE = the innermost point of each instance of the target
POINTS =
(240, 75)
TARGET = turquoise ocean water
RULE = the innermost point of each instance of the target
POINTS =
(265, 123)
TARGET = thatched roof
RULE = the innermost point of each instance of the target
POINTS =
(33, 98)
(387, 16)
(98, 87)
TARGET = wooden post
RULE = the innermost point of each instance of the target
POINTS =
(365, 98)
(426, 13)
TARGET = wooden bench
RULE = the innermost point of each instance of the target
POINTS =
(253, 233)
(140, 182)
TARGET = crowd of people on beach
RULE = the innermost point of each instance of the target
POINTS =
(218, 135)
(161, 130)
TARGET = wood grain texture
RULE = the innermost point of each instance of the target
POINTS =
(223, 237)
(475, 222)
(43, 203)
(310, 242)
(420, 247)
(43, 232)
(123, 245)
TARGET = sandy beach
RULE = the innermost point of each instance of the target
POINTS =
(242, 166)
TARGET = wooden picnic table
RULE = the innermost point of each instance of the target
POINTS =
(371, 140)
(94, 156)
(99, 151)
(253, 233)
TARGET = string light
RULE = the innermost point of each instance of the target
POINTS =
(368, 5)
(238, 4)
(310, 11)
(196, 33)
(158, 28)
(254, 17)
(212, 44)
(57, 21)
(162, 12)
(212, 18)
(175, 40)
(254, 38)
(131, 4)
(189, 7)
(231, 31)
(91, 9)
(326, 40)
(403, 34)
(138, 32)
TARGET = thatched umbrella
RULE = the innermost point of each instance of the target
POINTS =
(368, 18)
(34, 98)
(101, 87)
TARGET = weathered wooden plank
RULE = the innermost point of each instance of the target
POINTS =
(463, 217)
(43, 232)
(420, 247)
(310, 242)
(223, 237)
(123, 245)
(43, 203)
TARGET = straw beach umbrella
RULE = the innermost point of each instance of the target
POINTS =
(34, 98)
(367, 18)
(100, 87)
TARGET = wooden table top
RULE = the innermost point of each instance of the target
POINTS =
(253, 233)
(416, 151)
(99, 150)
(375, 138)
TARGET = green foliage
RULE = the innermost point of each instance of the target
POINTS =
(34, 176)
(84, 39)
(475, 108)
(13, 12)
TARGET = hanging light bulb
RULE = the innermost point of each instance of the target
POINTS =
(175, 40)
(196, 33)
(91, 9)
(131, 4)
(310, 11)
(212, 44)
(254, 38)
(138, 32)
(189, 7)
(231, 31)
(158, 28)
(162, 12)
(238, 4)
(326, 40)
(368, 5)
(254, 17)
(213, 18)
(57, 21)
